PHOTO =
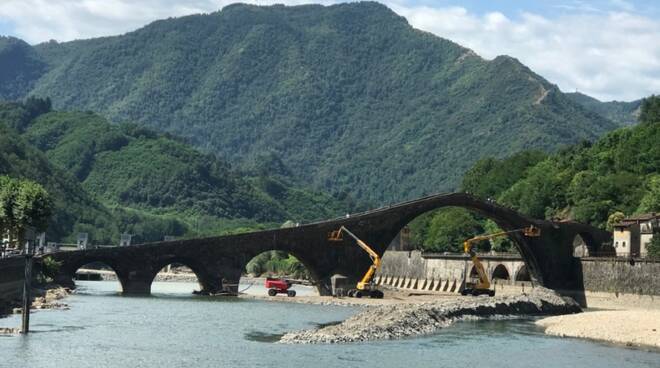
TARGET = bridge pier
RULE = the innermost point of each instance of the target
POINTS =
(136, 282)
(136, 287)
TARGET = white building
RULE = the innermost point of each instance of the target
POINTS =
(633, 234)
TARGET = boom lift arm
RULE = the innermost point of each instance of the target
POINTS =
(483, 286)
(365, 286)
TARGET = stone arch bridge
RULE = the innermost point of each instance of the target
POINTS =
(221, 260)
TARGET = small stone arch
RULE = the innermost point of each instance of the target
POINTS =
(207, 282)
(522, 274)
(73, 270)
(580, 247)
(308, 266)
(500, 272)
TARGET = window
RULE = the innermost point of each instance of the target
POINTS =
(623, 245)
(645, 228)
(616, 244)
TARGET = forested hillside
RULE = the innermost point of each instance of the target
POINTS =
(151, 184)
(20, 67)
(587, 182)
(622, 113)
(75, 211)
(350, 96)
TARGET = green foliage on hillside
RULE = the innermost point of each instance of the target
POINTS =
(349, 96)
(653, 248)
(20, 67)
(136, 168)
(445, 230)
(622, 113)
(276, 263)
(149, 184)
(74, 210)
(593, 183)
(650, 112)
(588, 182)
(489, 176)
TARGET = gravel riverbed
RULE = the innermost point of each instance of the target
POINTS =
(404, 320)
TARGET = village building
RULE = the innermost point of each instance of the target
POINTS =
(632, 235)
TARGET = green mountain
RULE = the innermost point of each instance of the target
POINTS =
(75, 210)
(350, 96)
(20, 67)
(154, 184)
(622, 113)
(587, 182)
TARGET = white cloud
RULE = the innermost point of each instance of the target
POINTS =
(604, 53)
(64, 20)
(608, 55)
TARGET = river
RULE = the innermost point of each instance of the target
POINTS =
(175, 329)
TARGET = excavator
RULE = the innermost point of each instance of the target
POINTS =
(365, 287)
(482, 286)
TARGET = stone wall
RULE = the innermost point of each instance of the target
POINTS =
(619, 276)
(443, 267)
(599, 274)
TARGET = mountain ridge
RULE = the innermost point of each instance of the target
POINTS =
(350, 96)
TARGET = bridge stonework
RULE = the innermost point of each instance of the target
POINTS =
(219, 261)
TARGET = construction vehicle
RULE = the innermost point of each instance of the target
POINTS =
(279, 286)
(482, 286)
(366, 286)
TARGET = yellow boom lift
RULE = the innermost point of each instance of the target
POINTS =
(483, 285)
(365, 287)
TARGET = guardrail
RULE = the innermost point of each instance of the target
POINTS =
(515, 255)
(621, 256)
(508, 255)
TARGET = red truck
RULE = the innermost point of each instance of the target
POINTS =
(279, 286)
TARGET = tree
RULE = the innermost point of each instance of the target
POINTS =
(651, 200)
(614, 218)
(8, 190)
(653, 248)
(650, 110)
(501, 244)
(23, 204)
(449, 228)
(36, 106)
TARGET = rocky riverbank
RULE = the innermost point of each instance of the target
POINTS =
(46, 297)
(404, 320)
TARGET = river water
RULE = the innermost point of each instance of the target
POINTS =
(175, 329)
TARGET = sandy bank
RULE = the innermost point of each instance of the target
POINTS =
(628, 327)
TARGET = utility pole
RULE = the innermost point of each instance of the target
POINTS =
(27, 284)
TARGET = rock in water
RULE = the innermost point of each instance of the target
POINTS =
(403, 320)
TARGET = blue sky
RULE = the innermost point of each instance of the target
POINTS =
(609, 49)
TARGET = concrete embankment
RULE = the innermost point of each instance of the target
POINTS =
(404, 320)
